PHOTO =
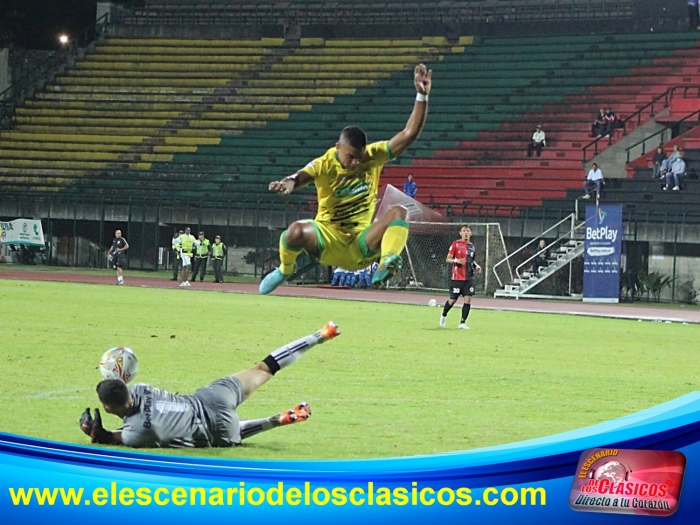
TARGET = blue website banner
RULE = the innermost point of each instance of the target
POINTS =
(530, 482)
(601, 256)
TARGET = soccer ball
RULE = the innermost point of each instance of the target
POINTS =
(119, 363)
(432, 302)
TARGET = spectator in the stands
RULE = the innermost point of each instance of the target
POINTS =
(594, 181)
(676, 173)
(611, 121)
(693, 17)
(598, 125)
(541, 259)
(537, 143)
(656, 160)
(668, 163)
(410, 188)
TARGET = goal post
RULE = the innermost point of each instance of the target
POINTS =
(424, 265)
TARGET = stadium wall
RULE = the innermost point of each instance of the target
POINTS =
(647, 15)
(79, 233)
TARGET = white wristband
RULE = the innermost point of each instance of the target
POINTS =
(420, 97)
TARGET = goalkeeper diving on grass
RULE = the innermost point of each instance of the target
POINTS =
(153, 417)
(347, 184)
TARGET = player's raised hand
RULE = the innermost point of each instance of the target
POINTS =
(422, 78)
(282, 187)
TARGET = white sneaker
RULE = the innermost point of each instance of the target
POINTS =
(463, 326)
(443, 321)
(183, 283)
(676, 188)
(586, 196)
(187, 283)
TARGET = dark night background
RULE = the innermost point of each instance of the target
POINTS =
(36, 24)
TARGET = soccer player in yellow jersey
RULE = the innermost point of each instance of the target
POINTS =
(347, 183)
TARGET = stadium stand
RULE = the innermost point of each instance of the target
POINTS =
(215, 118)
(558, 82)
(131, 116)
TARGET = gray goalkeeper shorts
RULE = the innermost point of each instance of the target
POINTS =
(220, 399)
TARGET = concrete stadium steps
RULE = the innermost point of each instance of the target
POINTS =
(46, 107)
(182, 99)
(73, 114)
(151, 100)
(497, 153)
(298, 99)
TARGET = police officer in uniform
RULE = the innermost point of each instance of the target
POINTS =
(186, 248)
(218, 252)
(201, 254)
(116, 256)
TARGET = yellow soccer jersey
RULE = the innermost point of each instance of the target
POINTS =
(347, 199)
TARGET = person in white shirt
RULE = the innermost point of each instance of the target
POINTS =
(594, 181)
(537, 143)
(676, 173)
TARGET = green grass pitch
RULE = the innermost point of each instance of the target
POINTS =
(393, 384)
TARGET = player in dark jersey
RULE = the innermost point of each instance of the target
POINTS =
(461, 256)
(116, 256)
(153, 417)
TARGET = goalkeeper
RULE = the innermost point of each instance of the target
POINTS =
(347, 183)
(156, 418)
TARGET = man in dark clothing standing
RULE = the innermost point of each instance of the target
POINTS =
(177, 261)
(116, 256)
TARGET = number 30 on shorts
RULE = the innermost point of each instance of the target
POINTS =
(456, 290)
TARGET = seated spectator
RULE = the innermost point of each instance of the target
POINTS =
(537, 143)
(410, 188)
(657, 160)
(676, 173)
(598, 125)
(666, 164)
(542, 259)
(611, 121)
(594, 181)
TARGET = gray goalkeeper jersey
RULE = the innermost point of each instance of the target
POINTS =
(162, 419)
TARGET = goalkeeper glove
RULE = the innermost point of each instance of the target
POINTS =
(93, 428)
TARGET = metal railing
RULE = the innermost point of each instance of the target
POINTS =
(45, 70)
(652, 106)
(637, 115)
(661, 134)
(571, 219)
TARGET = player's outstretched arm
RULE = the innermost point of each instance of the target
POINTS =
(289, 184)
(422, 79)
